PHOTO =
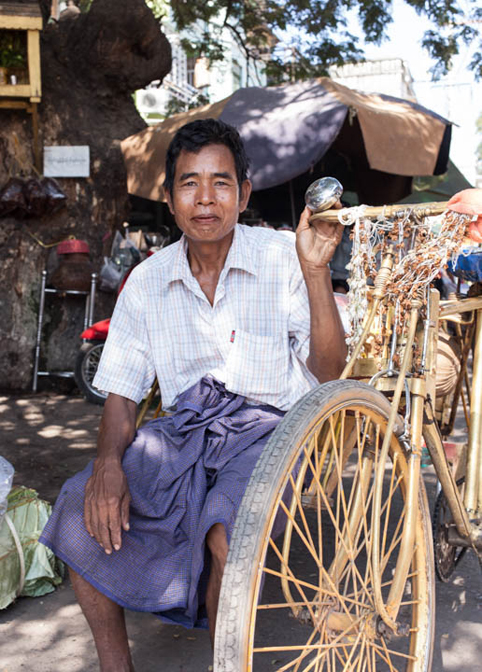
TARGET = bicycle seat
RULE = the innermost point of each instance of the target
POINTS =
(468, 265)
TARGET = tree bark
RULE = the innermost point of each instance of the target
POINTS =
(91, 65)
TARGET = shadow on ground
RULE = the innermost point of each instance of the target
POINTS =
(49, 437)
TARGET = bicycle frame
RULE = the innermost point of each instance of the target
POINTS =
(422, 425)
(473, 489)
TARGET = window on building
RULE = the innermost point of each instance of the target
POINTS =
(237, 75)
(191, 67)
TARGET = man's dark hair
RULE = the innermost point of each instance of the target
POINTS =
(200, 133)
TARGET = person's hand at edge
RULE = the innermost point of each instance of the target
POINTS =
(469, 202)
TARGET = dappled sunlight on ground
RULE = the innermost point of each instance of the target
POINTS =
(52, 632)
(464, 637)
(47, 438)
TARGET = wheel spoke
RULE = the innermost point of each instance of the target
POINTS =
(297, 661)
(317, 580)
(335, 524)
(306, 527)
(300, 533)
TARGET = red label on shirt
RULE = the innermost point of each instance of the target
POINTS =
(233, 334)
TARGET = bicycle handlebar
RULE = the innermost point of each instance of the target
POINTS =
(371, 212)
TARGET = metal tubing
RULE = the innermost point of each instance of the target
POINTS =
(430, 364)
(427, 325)
(447, 429)
(378, 487)
(361, 341)
(420, 209)
(409, 527)
(93, 284)
(435, 447)
(460, 306)
(474, 464)
(383, 276)
(285, 583)
(355, 514)
(39, 329)
(90, 302)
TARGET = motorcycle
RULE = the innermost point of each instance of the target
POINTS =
(95, 336)
(88, 359)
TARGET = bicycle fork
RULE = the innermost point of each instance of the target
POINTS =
(388, 609)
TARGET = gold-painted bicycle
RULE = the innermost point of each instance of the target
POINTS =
(331, 563)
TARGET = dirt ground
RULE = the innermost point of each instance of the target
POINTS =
(48, 437)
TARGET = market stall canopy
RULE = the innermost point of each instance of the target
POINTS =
(438, 188)
(288, 129)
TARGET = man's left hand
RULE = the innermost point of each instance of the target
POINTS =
(316, 245)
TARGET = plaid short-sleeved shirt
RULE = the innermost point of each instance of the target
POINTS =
(254, 338)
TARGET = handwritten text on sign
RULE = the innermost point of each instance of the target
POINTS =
(67, 161)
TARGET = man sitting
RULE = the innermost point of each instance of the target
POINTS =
(237, 324)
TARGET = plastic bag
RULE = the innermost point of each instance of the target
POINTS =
(12, 199)
(6, 478)
(34, 197)
(124, 255)
(110, 276)
(54, 196)
(26, 566)
(124, 252)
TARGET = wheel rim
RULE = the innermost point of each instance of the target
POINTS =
(322, 562)
(90, 364)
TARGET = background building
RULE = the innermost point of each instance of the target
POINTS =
(451, 97)
(390, 76)
(195, 81)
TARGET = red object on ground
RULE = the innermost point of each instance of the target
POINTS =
(71, 246)
(450, 450)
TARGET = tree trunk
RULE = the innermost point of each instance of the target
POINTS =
(91, 65)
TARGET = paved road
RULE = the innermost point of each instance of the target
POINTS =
(48, 437)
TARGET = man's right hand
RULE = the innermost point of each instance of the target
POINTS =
(107, 497)
(106, 504)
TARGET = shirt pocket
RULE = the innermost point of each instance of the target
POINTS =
(257, 365)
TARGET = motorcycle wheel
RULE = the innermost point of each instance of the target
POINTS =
(85, 369)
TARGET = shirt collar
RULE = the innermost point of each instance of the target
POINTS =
(240, 255)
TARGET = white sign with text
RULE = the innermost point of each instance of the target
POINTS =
(62, 161)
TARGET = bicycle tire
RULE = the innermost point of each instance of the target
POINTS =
(248, 566)
(86, 365)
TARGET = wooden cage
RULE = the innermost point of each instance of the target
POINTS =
(21, 88)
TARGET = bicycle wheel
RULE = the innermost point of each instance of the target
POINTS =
(304, 600)
(85, 369)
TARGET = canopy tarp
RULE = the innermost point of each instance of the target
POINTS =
(288, 129)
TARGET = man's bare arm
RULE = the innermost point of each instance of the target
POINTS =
(107, 498)
(315, 248)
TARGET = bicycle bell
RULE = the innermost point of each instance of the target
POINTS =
(323, 194)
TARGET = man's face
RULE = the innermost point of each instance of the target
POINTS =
(206, 199)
